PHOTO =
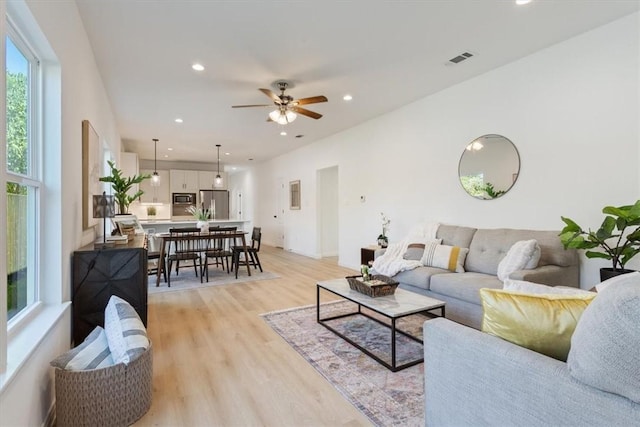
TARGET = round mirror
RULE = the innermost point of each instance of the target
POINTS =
(489, 166)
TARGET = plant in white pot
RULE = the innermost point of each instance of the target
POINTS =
(618, 238)
(202, 215)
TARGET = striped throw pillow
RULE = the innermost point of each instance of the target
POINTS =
(444, 256)
(93, 353)
(125, 331)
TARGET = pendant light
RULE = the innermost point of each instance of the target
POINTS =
(155, 178)
(218, 177)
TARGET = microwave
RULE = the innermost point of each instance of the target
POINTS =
(184, 198)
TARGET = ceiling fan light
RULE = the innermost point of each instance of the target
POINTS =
(274, 115)
(291, 116)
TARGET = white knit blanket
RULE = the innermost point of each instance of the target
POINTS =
(392, 262)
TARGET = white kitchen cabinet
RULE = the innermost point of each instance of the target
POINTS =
(183, 181)
(129, 167)
(159, 194)
(207, 180)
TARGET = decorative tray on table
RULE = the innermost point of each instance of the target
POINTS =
(377, 285)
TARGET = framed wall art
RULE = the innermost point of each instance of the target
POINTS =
(91, 172)
(294, 195)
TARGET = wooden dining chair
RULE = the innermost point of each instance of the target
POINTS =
(252, 258)
(153, 254)
(184, 249)
(219, 250)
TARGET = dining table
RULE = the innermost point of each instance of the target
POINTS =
(165, 240)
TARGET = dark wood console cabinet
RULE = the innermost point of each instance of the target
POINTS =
(99, 273)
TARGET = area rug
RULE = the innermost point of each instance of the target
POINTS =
(386, 398)
(187, 279)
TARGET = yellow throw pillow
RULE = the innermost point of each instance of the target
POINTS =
(542, 322)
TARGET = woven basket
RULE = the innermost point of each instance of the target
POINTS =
(388, 287)
(114, 396)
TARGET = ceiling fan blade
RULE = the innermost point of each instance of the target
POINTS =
(252, 105)
(311, 100)
(275, 98)
(306, 112)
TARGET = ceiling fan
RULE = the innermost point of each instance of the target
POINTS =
(287, 108)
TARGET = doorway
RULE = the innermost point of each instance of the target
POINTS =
(278, 215)
(327, 211)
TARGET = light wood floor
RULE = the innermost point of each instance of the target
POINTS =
(217, 363)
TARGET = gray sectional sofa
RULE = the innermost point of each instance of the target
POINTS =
(487, 247)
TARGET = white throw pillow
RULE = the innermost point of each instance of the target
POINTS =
(444, 256)
(125, 331)
(604, 346)
(92, 353)
(621, 278)
(525, 287)
(523, 255)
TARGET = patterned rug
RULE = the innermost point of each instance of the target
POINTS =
(187, 279)
(386, 398)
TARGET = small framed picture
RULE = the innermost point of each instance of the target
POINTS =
(127, 224)
(294, 195)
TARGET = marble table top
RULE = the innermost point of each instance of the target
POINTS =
(400, 304)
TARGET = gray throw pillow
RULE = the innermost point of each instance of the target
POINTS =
(414, 252)
(604, 346)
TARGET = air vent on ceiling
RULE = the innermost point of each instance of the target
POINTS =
(463, 56)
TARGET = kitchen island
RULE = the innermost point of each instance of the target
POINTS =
(163, 225)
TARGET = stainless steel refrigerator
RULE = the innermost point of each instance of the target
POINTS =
(217, 201)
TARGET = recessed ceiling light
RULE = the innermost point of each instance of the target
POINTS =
(170, 149)
(179, 120)
(233, 168)
(283, 133)
(227, 154)
(166, 155)
(198, 67)
(522, 2)
(347, 97)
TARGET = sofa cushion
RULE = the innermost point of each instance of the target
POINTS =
(445, 256)
(522, 255)
(125, 331)
(419, 277)
(92, 353)
(463, 286)
(605, 346)
(489, 246)
(540, 322)
(455, 235)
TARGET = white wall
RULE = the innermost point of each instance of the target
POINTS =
(571, 110)
(29, 395)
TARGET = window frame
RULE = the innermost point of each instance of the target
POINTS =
(32, 178)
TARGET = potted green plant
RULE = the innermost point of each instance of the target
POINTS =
(151, 212)
(121, 185)
(616, 239)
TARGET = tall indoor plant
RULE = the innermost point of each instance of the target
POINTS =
(121, 185)
(617, 239)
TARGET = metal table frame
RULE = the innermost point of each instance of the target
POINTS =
(394, 367)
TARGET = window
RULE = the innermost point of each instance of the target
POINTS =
(23, 180)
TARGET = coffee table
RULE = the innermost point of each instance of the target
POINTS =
(392, 307)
